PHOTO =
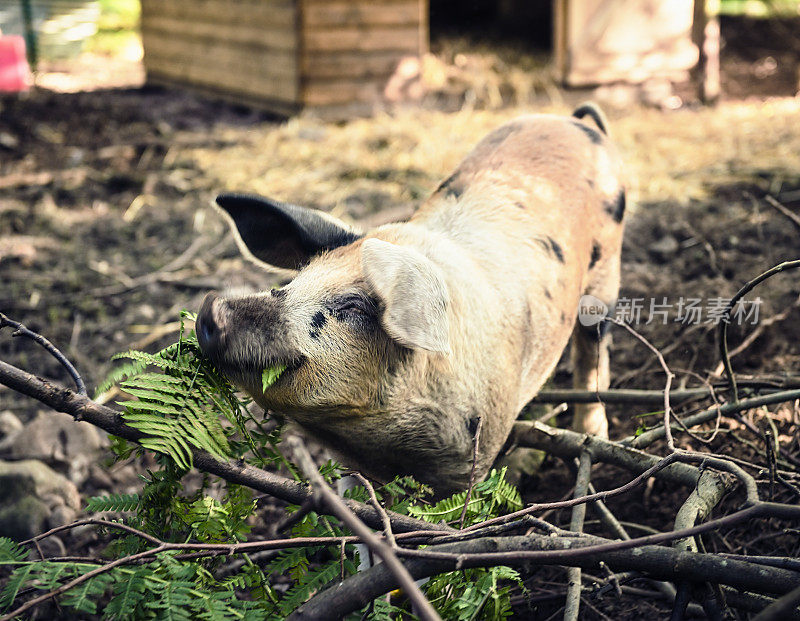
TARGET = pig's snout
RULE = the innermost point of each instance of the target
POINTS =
(211, 324)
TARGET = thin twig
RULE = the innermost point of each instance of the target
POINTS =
(726, 318)
(779, 610)
(335, 504)
(773, 202)
(760, 328)
(667, 385)
(387, 523)
(21, 330)
(727, 409)
(475, 443)
(582, 479)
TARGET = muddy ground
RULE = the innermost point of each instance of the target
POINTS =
(106, 229)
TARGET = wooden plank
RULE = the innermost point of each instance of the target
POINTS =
(277, 37)
(276, 12)
(268, 64)
(338, 92)
(601, 41)
(366, 39)
(221, 79)
(269, 104)
(349, 64)
(361, 12)
(705, 35)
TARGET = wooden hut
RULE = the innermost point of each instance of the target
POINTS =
(339, 55)
(284, 55)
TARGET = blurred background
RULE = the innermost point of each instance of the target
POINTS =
(121, 120)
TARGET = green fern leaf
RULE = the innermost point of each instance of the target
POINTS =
(11, 552)
(119, 374)
(270, 375)
(168, 397)
(18, 578)
(84, 597)
(312, 582)
(129, 593)
(113, 502)
(150, 407)
(173, 447)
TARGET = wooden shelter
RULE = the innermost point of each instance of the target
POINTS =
(340, 55)
(284, 55)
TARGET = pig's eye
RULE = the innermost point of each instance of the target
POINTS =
(354, 306)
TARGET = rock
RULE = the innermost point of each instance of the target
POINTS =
(58, 440)
(8, 141)
(99, 478)
(664, 249)
(23, 519)
(9, 423)
(34, 497)
(50, 547)
(61, 516)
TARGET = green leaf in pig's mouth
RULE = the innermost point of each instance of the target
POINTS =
(271, 374)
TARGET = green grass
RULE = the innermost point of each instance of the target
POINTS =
(119, 15)
(760, 8)
(117, 29)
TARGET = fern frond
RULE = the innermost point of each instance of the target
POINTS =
(11, 552)
(84, 597)
(129, 593)
(120, 373)
(113, 502)
(448, 509)
(16, 581)
(170, 600)
(312, 582)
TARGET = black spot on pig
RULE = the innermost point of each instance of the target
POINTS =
(555, 248)
(317, 323)
(596, 253)
(496, 138)
(593, 135)
(552, 247)
(452, 186)
(615, 207)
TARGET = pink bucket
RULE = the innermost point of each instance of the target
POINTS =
(15, 75)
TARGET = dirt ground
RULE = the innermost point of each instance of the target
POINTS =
(107, 230)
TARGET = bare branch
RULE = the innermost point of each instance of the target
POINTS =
(475, 444)
(648, 437)
(573, 601)
(387, 524)
(781, 609)
(656, 561)
(670, 376)
(726, 318)
(337, 506)
(20, 330)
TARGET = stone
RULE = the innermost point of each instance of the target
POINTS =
(665, 248)
(9, 423)
(34, 497)
(58, 440)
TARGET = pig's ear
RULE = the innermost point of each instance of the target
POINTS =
(283, 235)
(413, 292)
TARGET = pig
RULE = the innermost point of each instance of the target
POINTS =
(397, 342)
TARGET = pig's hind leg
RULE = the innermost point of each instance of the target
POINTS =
(590, 346)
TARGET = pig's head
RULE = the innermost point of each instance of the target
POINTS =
(361, 312)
